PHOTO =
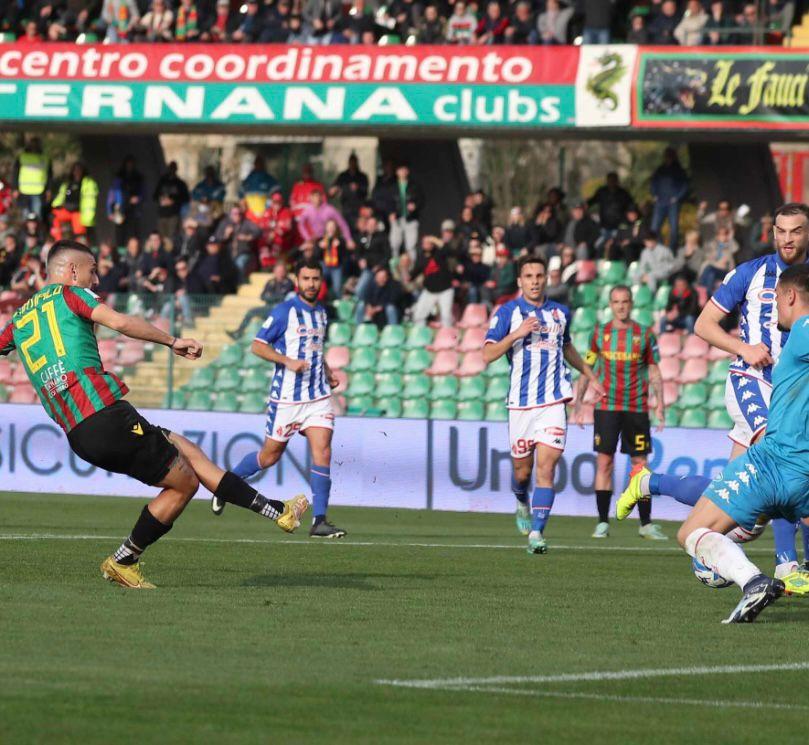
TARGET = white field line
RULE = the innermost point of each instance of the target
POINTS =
(676, 672)
(350, 542)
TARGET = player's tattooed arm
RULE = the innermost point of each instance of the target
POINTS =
(656, 384)
(708, 327)
(573, 358)
(581, 390)
(266, 352)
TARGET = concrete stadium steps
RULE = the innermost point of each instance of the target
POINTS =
(800, 35)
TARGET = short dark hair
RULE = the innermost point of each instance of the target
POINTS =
(796, 276)
(624, 288)
(530, 259)
(792, 208)
(65, 245)
(311, 263)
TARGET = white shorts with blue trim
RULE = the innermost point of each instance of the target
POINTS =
(285, 419)
(542, 425)
(748, 403)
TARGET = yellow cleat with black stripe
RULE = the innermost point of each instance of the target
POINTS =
(796, 583)
(632, 494)
(126, 575)
(293, 511)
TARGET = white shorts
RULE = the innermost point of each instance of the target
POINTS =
(748, 403)
(545, 425)
(284, 420)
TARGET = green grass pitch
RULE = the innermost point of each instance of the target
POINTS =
(254, 636)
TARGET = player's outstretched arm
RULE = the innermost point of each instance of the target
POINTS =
(138, 328)
(494, 350)
(707, 327)
(266, 352)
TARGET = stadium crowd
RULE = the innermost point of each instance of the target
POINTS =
(683, 22)
(369, 239)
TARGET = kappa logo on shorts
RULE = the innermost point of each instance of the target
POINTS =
(724, 494)
(137, 429)
(743, 477)
(733, 485)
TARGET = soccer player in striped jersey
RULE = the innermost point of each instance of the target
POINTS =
(625, 356)
(534, 334)
(54, 334)
(750, 288)
(293, 339)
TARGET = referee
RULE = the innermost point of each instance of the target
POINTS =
(624, 355)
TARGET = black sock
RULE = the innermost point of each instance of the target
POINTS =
(147, 530)
(237, 491)
(645, 511)
(603, 499)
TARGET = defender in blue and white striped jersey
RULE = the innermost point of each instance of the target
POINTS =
(293, 338)
(533, 333)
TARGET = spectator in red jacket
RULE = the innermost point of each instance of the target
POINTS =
(302, 190)
(280, 232)
(492, 27)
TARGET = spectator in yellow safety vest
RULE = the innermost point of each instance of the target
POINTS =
(31, 178)
(75, 204)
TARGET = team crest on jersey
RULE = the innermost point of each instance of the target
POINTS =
(766, 295)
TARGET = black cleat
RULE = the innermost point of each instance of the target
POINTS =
(235, 335)
(217, 505)
(324, 529)
(759, 592)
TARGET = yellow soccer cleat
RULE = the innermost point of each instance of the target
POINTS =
(126, 575)
(632, 494)
(796, 583)
(293, 510)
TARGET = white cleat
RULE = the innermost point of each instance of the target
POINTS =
(602, 531)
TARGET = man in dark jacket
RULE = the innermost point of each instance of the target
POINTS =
(597, 21)
(404, 221)
(669, 188)
(379, 300)
(437, 279)
(613, 201)
(352, 188)
(171, 195)
(274, 292)
(682, 307)
(582, 231)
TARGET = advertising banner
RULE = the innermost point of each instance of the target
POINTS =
(267, 85)
(604, 85)
(457, 466)
(703, 88)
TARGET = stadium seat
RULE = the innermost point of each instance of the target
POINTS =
(5, 370)
(253, 403)
(338, 357)
(444, 408)
(716, 395)
(198, 400)
(6, 37)
(444, 386)
(361, 384)
(416, 386)
(475, 314)
(131, 354)
(360, 405)
(228, 379)
(419, 337)
(339, 334)
(226, 401)
(249, 335)
(496, 412)
(696, 418)
(393, 337)
(693, 371)
(472, 389)
(605, 315)
(693, 396)
(362, 358)
(497, 390)
(472, 364)
(342, 381)
(669, 345)
(715, 353)
(585, 295)
(344, 309)
(661, 299)
(611, 272)
(642, 296)
(444, 363)
(417, 360)
(604, 296)
(498, 368)
(4, 394)
(253, 360)
(22, 394)
(108, 348)
(391, 360)
(581, 340)
(202, 378)
(669, 368)
(695, 347)
(472, 340)
(365, 335)
(177, 400)
(584, 319)
(19, 376)
(391, 407)
(671, 392)
(471, 411)
(719, 419)
(389, 384)
(446, 338)
(415, 408)
(719, 371)
(230, 356)
(672, 417)
(643, 316)
(256, 380)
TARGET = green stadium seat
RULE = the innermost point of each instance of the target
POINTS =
(256, 380)
(581, 340)
(202, 378)
(7, 37)
(230, 356)
(416, 386)
(340, 334)
(198, 400)
(604, 296)
(444, 386)
(87, 38)
(228, 379)
(471, 411)
(498, 368)
(249, 335)
(496, 412)
(497, 390)
(391, 360)
(393, 337)
(391, 407)
(584, 319)
(444, 408)
(611, 273)
(586, 295)
(4, 394)
(718, 372)
(361, 384)
(472, 389)
(415, 408)
(662, 297)
(604, 315)
(365, 335)
(362, 358)
(177, 400)
(694, 395)
(417, 360)
(672, 417)
(253, 403)
(642, 296)
(360, 405)
(419, 337)
(696, 418)
(344, 309)
(643, 316)
(389, 384)
(720, 419)
(717, 392)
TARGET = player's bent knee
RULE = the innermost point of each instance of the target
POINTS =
(689, 538)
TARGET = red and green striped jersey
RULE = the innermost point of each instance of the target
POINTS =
(56, 343)
(621, 358)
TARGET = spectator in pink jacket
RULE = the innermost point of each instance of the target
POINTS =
(313, 219)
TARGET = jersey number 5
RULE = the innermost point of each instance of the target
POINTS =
(32, 317)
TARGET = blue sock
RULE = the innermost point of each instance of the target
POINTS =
(248, 466)
(520, 490)
(320, 481)
(541, 503)
(784, 534)
(805, 532)
(685, 489)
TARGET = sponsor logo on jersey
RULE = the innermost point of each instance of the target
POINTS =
(766, 295)
(137, 429)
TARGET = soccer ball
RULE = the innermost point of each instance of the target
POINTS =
(708, 576)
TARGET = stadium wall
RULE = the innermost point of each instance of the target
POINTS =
(411, 464)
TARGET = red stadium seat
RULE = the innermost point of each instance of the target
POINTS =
(22, 394)
(19, 375)
(131, 354)
(475, 314)
(695, 348)
(108, 348)
(472, 364)
(5, 371)
(669, 345)
(342, 376)
(337, 357)
(694, 370)
(444, 363)
(669, 368)
(472, 340)
(715, 353)
(446, 338)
